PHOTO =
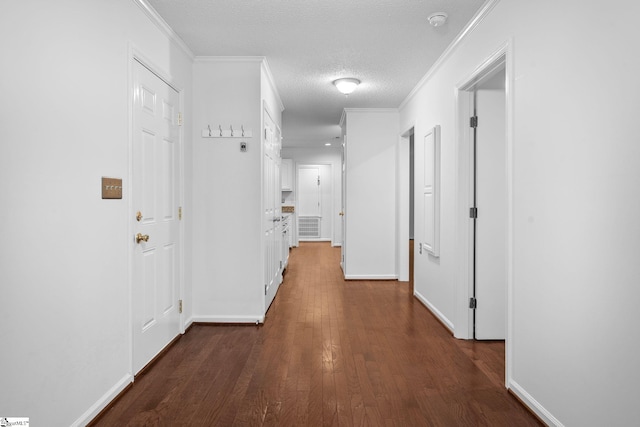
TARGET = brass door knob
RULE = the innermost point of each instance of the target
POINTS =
(139, 216)
(341, 213)
(142, 237)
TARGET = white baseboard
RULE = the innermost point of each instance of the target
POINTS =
(371, 277)
(446, 322)
(229, 319)
(188, 323)
(102, 403)
(534, 405)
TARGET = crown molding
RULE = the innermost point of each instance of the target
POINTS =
(257, 59)
(471, 25)
(164, 27)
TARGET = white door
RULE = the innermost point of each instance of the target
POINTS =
(155, 264)
(309, 194)
(272, 209)
(491, 201)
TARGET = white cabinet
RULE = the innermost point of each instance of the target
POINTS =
(287, 174)
(286, 240)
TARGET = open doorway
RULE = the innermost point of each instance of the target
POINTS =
(314, 202)
(489, 220)
(484, 197)
(405, 205)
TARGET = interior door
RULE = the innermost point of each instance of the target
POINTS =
(491, 201)
(309, 192)
(272, 209)
(155, 198)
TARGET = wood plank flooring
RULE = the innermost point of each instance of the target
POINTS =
(331, 353)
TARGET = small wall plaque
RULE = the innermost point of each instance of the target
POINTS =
(111, 188)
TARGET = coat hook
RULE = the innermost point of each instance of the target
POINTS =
(220, 127)
(242, 127)
(231, 127)
(209, 126)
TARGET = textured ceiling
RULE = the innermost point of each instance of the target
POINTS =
(387, 44)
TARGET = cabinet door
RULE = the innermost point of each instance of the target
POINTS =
(272, 209)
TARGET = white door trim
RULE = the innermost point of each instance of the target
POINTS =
(136, 55)
(403, 204)
(503, 56)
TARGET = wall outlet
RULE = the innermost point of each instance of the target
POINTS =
(243, 147)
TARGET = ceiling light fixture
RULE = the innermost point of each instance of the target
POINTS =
(327, 144)
(437, 19)
(347, 85)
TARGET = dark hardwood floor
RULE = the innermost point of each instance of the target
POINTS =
(356, 353)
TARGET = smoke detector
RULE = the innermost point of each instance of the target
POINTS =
(437, 19)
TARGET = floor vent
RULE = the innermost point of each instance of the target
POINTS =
(309, 227)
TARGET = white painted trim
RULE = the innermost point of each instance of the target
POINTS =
(257, 59)
(372, 277)
(371, 110)
(229, 319)
(102, 403)
(432, 308)
(534, 405)
(471, 25)
(311, 239)
(188, 323)
(162, 25)
(510, 79)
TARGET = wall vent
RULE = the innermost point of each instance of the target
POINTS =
(309, 227)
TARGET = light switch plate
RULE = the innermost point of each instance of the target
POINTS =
(111, 188)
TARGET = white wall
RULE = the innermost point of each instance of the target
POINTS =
(332, 205)
(370, 232)
(64, 277)
(227, 189)
(573, 341)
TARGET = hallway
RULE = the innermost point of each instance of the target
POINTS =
(331, 352)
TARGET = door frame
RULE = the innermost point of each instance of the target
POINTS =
(403, 156)
(136, 55)
(503, 56)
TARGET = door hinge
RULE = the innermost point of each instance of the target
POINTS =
(473, 303)
(179, 306)
(265, 289)
(318, 181)
(179, 119)
(180, 213)
(473, 213)
(473, 122)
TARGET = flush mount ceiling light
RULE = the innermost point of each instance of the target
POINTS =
(346, 86)
(437, 19)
